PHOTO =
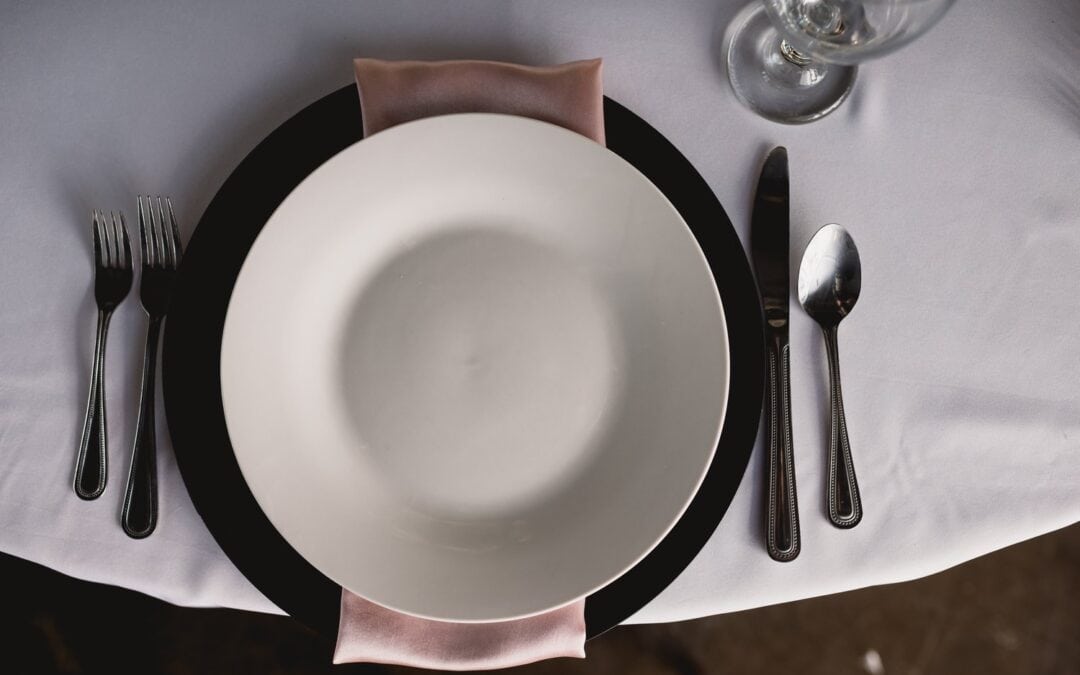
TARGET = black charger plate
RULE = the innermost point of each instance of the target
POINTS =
(192, 356)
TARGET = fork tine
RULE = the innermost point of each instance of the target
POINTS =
(110, 261)
(95, 227)
(110, 235)
(168, 228)
(178, 244)
(163, 236)
(114, 251)
(159, 232)
(159, 254)
(117, 261)
(144, 236)
(159, 242)
(126, 260)
(155, 233)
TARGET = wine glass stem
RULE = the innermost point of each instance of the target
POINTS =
(793, 55)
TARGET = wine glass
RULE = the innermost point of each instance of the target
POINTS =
(793, 61)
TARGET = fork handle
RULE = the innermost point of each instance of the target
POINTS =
(845, 505)
(139, 515)
(92, 461)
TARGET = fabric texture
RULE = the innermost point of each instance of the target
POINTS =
(394, 92)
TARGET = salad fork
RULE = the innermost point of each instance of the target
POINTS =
(161, 251)
(112, 281)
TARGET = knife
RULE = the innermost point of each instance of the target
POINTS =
(769, 249)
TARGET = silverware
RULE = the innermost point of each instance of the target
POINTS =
(161, 251)
(112, 281)
(830, 277)
(769, 247)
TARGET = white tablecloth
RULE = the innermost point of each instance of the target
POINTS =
(955, 165)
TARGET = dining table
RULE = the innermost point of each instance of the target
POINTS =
(954, 164)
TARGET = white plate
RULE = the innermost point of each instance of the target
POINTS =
(474, 367)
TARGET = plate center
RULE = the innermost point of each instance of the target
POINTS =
(481, 371)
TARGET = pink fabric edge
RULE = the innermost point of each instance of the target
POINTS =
(569, 95)
(371, 633)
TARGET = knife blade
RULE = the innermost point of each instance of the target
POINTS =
(769, 238)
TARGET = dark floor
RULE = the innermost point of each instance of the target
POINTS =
(1013, 612)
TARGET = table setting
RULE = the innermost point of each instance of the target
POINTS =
(486, 328)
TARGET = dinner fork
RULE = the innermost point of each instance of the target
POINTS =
(161, 251)
(112, 281)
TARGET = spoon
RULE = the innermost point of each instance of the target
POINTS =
(830, 277)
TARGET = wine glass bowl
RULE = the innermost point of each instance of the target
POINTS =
(852, 31)
(793, 61)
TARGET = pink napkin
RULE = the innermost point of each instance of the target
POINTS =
(371, 633)
(393, 92)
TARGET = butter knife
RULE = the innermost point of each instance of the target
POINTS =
(769, 249)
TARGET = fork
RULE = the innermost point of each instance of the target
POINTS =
(161, 251)
(112, 281)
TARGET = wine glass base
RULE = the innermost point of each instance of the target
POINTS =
(771, 84)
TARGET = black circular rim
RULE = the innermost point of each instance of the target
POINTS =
(191, 360)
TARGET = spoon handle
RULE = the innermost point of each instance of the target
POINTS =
(782, 529)
(845, 505)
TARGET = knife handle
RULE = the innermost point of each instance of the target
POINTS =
(782, 530)
(845, 505)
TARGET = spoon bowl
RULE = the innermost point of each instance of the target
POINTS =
(830, 276)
